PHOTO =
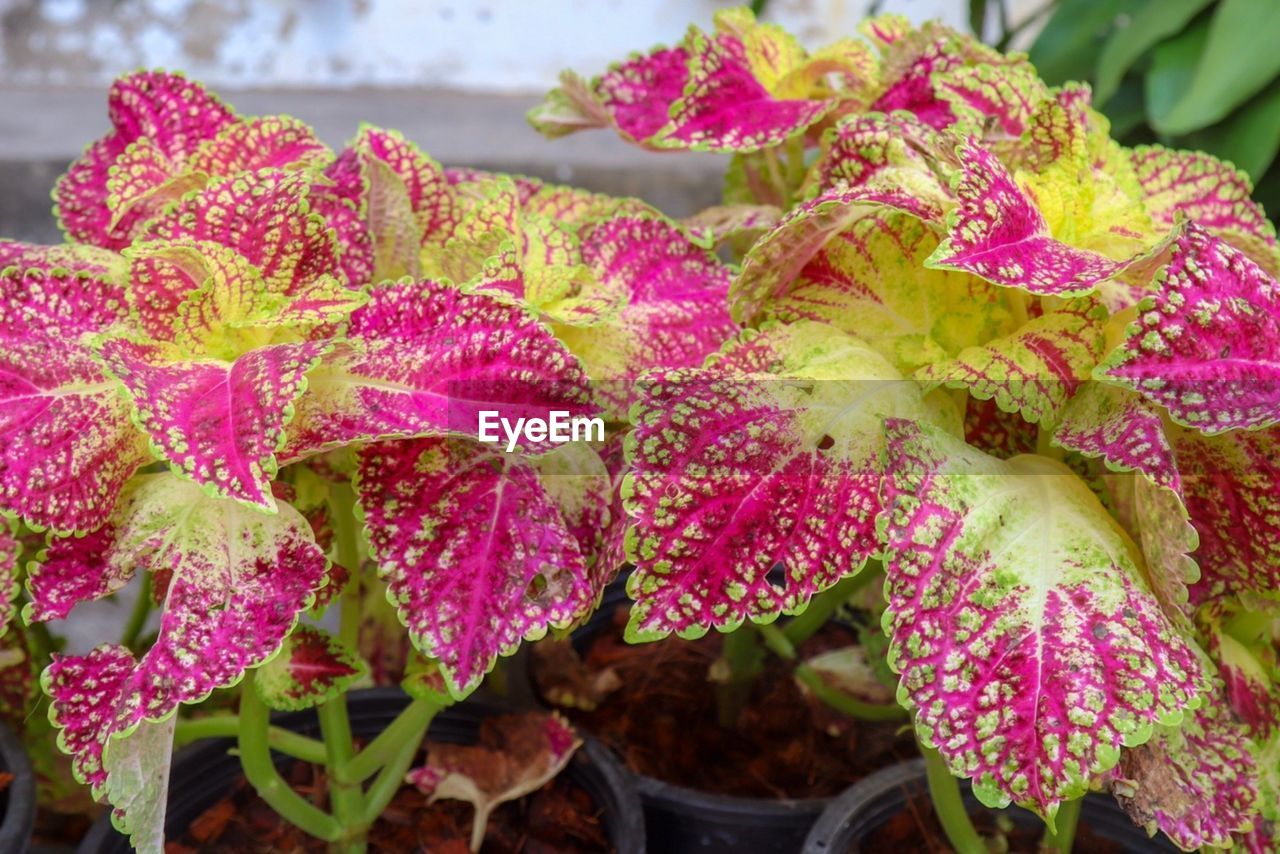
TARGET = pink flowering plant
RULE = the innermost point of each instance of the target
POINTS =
(970, 349)
(1029, 375)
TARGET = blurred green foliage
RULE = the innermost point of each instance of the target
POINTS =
(1187, 73)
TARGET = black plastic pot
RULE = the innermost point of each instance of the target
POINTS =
(204, 772)
(851, 818)
(679, 820)
(18, 801)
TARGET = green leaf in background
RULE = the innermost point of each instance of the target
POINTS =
(1241, 56)
(1127, 109)
(1249, 137)
(1149, 25)
(1068, 46)
(1173, 65)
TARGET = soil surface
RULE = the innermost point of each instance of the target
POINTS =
(559, 818)
(917, 830)
(662, 721)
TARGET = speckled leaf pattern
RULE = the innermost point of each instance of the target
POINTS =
(1027, 643)
(66, 442)
(76, 569)
(424, 358)
(998, 233)
(725, 108)
(1246, 671)
(311, 668)
(993, 431)
(734, 471)
(869, 280)
(265, 142)
(266, 217)
(1229, 483)
(475, 552)
(1121, 428)
(981, 96)
(1207, 345)
(216, 422)
(1196, 783)
(171, 112)
(1212, 194)
(675, 313)
(885, 151)
(239, 578)
(777, 259)
(1157, 519)
(1035, 369)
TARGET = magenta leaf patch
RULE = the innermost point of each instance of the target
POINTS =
(675, 314)
(998, 233)
(475, 552)
(725, 108)
(66, 441)
(1121, 428)
(237, 581)
(1195, 783)
(10, 549)
(1207, 345)
(1027, 642)
(1229, 483)
(425, 358)
(734, 471)
(1210, 193)
(1035, 369)
(311, 668)
(172, 113)
(216, 422)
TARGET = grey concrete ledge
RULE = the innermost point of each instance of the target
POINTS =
(43, 129)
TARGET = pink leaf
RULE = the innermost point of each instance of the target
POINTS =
(998, 233)
(1208, 192)
(1196, 783)
(216, 422)
(66, 443)
(1121, 428)
(1026, 639)
(173, 113)
(425, 358)
(475, 553)
(1207, 345)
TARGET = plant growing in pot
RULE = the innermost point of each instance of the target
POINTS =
(1026, 370)
(252, 355)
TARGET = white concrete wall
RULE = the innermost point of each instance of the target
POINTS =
(491, 45)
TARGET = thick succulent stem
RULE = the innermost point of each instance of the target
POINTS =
(944, 791)
(260, 771)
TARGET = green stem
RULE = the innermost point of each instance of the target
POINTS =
(342, 501)
(944, 791)
(138, 618)
(391, 777)
(346, 799)
(847, 704)
(389, 743)
(1044, 443)
(775, 640)
(1063, 835)
(776, 177)
(228, 726)
(260, 771)
(805, 625)
(741, 656)
(795, 164)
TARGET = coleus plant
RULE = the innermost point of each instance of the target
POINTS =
(254, 376)
(1028, 374)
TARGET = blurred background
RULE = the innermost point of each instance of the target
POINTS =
(458, 76)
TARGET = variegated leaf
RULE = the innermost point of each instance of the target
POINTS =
(768, 456)
(424, 358)
(1121, 428)
(475, 552)
(1028, 644)
(1035, 369)
(1207, 345)
(311, 668)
